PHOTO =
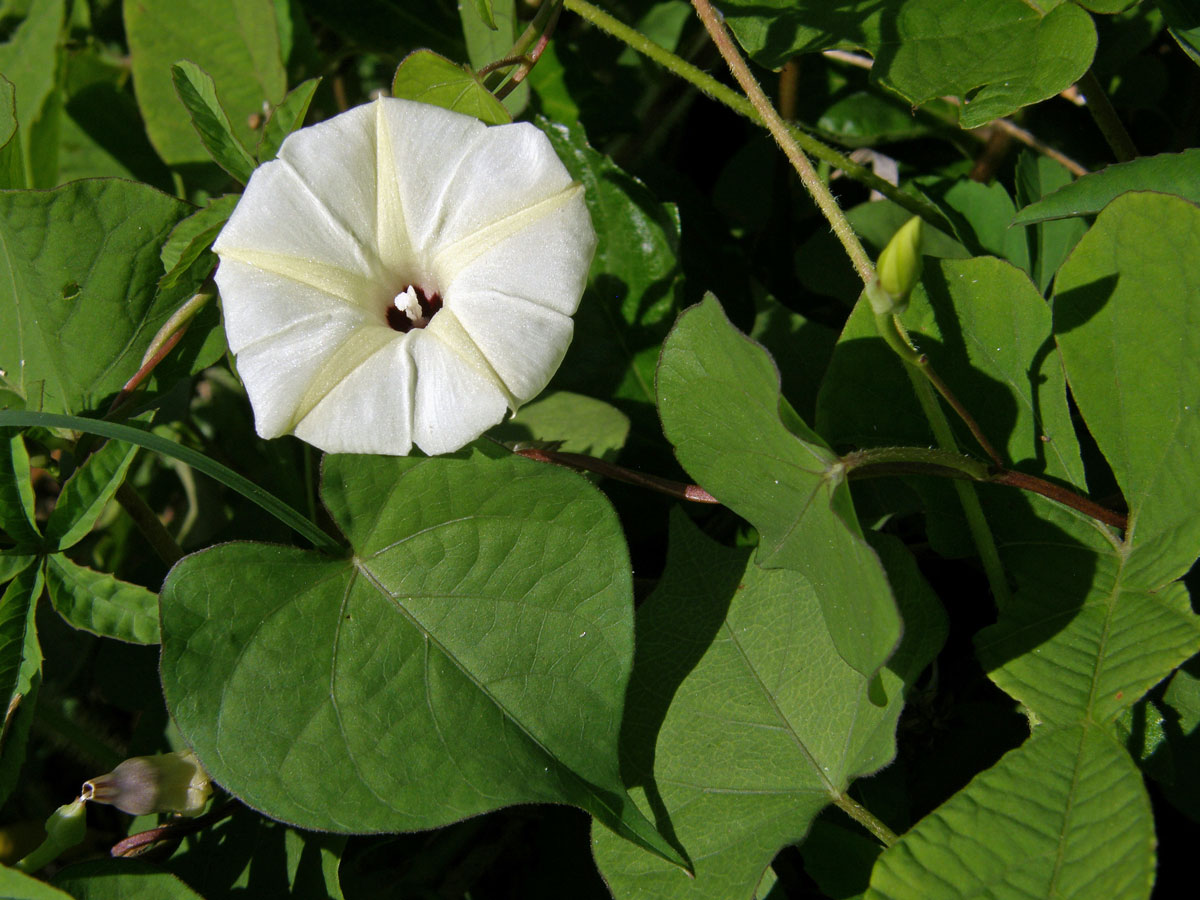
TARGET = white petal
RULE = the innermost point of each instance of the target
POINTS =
(428, 145)
(522, 342)
(454, 401)
(280, 225)
(335, 159)
(545, 262)
(277, 371)
(371, 409)
(258, 304)
(510, 168)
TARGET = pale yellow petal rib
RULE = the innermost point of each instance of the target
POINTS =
(446, 327)
(449, 261)
(360, 346)
(354, 289)
(391, 228)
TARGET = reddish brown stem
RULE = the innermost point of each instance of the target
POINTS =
(1060, 494)
(948, 395)
(696, 494)
(582, 462)
(530, 59)
(144, 841)
(147, 367)
(1000, 475)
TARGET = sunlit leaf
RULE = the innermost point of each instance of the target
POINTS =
(1169, 173)
(29, 60)
(198, 93)
(1049, 242)
(234, 41)
(77, 288)
(1083, 641)
(86, 493)
(12, 159)
(120, 879)
(17, 515)
(470, 653)
(573, 422)
(1123, 315)
(719, 400)
(101, 603)
(430, 78)
(1037, 824)
(286, 118)
(490, 39)
(192, 238)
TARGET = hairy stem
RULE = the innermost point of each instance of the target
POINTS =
(786, 141)
(743, 107)
(865, 818)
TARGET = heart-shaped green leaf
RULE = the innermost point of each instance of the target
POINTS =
(471, 652)
(429, 78)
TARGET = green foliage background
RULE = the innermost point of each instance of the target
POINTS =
(482, 676)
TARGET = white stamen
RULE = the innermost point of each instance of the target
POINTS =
(406, 301)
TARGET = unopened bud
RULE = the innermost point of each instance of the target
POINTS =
(898, 269)
(168, 782)
(65, 828)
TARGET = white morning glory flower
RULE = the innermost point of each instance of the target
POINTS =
(402, 274)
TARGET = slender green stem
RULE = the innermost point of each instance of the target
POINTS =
(786, 141)
(743, 107)
(149, 524)
(1106, 118)
(538, 29)
(865, 818)
(529, 60)
(867, 462)
(969, 420)
(892, 330)
(981, 534)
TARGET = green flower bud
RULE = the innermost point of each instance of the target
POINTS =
(899, 267)
(168, 782)
(67, 824)
(65, 828)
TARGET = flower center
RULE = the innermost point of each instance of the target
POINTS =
(412, 309)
